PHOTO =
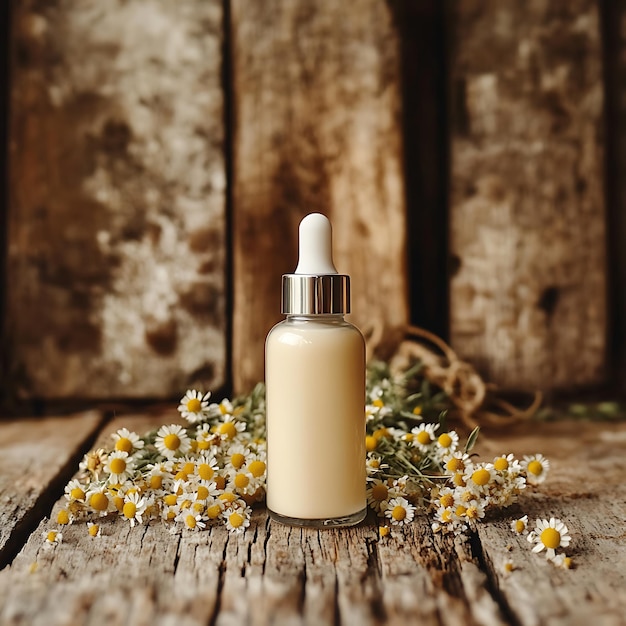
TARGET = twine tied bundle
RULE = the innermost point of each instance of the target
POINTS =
(477, 403)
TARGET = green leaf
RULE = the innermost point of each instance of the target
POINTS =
(471, 440)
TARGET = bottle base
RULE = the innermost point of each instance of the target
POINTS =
(334, 522)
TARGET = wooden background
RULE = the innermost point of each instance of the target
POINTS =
(158, 158)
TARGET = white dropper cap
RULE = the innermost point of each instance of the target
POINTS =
(316, 252)
(315, 288)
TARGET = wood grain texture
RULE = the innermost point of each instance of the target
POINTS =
(116, 219)
(282, 575)
(528, 227)
(317, 128)
(33, 456)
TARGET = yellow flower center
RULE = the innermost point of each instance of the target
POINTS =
(237, 460)
(455, 465)
(123, 444)
(189, 467)
(198, 507)
(203, 445)
(93, 530)
(118, 502)
(378, 403)
(228, 429)
(171, 515)
(227, 497)
(417, 410)
(99, 502)
(129, 510)
(190, 521)
(223, 408)
(203, 492)
(77, 494)
(63, 517)
(458, 480)
(205, 471)
(170, 499)
(185, 504)
(182, 475)
(380, 433)
(118, 466)
(445, 441)
(257, 468)
(446, 516)
(171, 442)
(241, 481)
(481, 477)
(235, 519)
(383, 531)
(551, 538)
(423, 437)
(52, 536)
(213, 512)
(460, 510)
(194, 405)
(535, 467)
(446, 500)
(380, 493)
(501, 464)
(374, 463)
(156, 482)
(370, 443)
(519, 526)
(471, 512)
(398, 513)
(508, 566)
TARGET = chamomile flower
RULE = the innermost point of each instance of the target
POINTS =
(237, 519)
(423, 436)
(134, 508)
(237, 456)
(119, 467)
(127, 441)
(456, 462)
(508, 566)
(191, 521)
(480, 477)
(520, 526)
(549, 535)
(563, 561)
(399, 511)
(64, 517)
(374, 464)
(194, 406)
(444, 497)
(52, 538)
(172, 440)
(378, 495)
(75, 490)
(230, 427)
(98, 500)
(93, 463)
(93, 530)
(446, 444)
(536, 467)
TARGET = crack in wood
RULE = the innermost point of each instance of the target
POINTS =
(44, 503)
(492, 586)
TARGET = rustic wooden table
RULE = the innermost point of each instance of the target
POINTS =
(276, 574)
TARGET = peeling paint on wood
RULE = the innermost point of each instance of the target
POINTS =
(116, 271)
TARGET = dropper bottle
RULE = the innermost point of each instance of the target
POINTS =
(315, 384)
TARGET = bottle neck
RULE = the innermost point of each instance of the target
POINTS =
(321, 318)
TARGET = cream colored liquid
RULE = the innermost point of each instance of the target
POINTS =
(315, 378)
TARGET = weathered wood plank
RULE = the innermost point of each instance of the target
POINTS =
(117, 199)
(528, 228)
(317, 128)
(277, 574)
(36, 456)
